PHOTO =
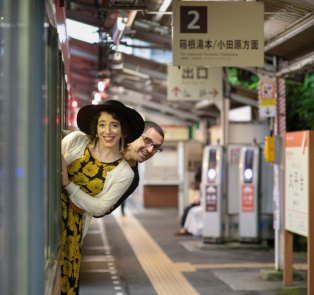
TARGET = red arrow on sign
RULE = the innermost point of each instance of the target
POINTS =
(176, 90)
(214, 92)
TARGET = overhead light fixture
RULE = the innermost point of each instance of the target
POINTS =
(121, 22)
(136, 73)
(74, 104)
(163, 7)
(101, 86)
(97, 97)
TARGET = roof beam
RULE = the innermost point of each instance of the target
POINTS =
(163, 7)
(154, 38)
(291, 31)
(85, 18)
(81, 96)
(163, 108)
(130, 85)
(152, 73)
(244, 100)
(81, 77)
(81, 53)
(296, 65)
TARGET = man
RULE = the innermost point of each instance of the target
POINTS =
(139, 151)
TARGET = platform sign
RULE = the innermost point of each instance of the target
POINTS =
(296, 182)
(267, 93)
(247, 198)
(208, 33)
(299, 201)
(194, 83)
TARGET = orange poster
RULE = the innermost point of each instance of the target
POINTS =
(247, 198)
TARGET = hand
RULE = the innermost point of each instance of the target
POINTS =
(108, 211)
(64, 172)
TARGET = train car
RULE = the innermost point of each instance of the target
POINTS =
(35, 91)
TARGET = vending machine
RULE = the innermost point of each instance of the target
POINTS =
(212, 194)
(249, 203)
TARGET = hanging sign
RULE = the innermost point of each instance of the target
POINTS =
(267, 98)
(175, 132)
(218, 33)
(194, 83)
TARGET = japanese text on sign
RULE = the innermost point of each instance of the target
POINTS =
(218, 34)
(212, 44)
(194, 83)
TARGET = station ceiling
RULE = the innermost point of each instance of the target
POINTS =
(289, 53)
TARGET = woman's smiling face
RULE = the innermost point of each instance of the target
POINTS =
(108, 131)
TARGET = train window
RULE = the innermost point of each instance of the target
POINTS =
(54, 87)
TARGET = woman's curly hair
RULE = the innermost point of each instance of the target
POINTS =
(126, 135)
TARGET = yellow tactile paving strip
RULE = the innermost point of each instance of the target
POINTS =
(165, 275)
(162, 272)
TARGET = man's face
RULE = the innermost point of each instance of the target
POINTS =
(140, 151)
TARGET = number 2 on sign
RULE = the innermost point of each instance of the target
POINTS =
(192, 25)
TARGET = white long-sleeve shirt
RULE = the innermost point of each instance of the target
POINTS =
(117, 181)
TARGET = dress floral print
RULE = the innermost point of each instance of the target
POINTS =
(90, 174)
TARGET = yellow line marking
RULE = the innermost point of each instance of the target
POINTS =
(162, 272)
(185, 267)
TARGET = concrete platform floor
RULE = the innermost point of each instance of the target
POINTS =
(138, 254)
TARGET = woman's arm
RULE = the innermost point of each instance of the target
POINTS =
(66, 181)
(99, 206)
(93, 205)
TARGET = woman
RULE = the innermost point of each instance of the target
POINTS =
(94, 176)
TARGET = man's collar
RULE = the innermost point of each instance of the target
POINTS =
(132, 163)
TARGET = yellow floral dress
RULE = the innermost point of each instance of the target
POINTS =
(90, 174)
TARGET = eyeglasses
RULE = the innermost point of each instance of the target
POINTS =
(148, 142)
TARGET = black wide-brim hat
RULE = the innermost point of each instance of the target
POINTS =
(133, 118)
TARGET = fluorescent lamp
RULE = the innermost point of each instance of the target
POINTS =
(97, 97)
(121, 22)
(101, 86)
